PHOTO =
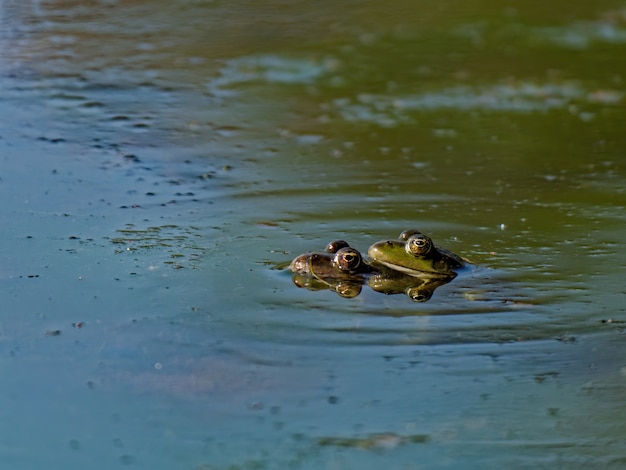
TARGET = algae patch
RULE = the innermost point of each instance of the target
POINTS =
(180, 244)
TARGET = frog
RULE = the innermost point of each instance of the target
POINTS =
(340, 268)
(340, 261)
(415, 254)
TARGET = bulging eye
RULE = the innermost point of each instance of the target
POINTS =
(418, 245)
(336, 245)
(348, 259)
(408, 233)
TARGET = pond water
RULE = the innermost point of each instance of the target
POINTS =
(161, 163)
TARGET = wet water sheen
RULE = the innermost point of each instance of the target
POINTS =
(162, 162)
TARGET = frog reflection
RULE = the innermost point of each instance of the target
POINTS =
(417, 289)
(344, 287)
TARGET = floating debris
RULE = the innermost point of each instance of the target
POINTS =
(381, 441)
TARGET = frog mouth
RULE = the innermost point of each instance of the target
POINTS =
(417, 272)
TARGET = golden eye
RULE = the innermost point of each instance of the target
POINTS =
(348, 259)
(418, 245)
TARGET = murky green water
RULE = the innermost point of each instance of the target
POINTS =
(159, 161)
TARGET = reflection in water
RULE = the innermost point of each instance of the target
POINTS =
(384, 281)
(269, 69)
(524, 97)
(417, 289)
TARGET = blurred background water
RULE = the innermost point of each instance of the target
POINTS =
(161, 161)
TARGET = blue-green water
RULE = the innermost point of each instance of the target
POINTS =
(159, 160)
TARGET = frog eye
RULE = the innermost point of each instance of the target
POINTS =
(407, 233)
(418, 245)
(336, 245)
(348, 259)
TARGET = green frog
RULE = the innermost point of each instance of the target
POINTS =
(415, 254)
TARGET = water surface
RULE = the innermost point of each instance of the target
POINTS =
(161, 159)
